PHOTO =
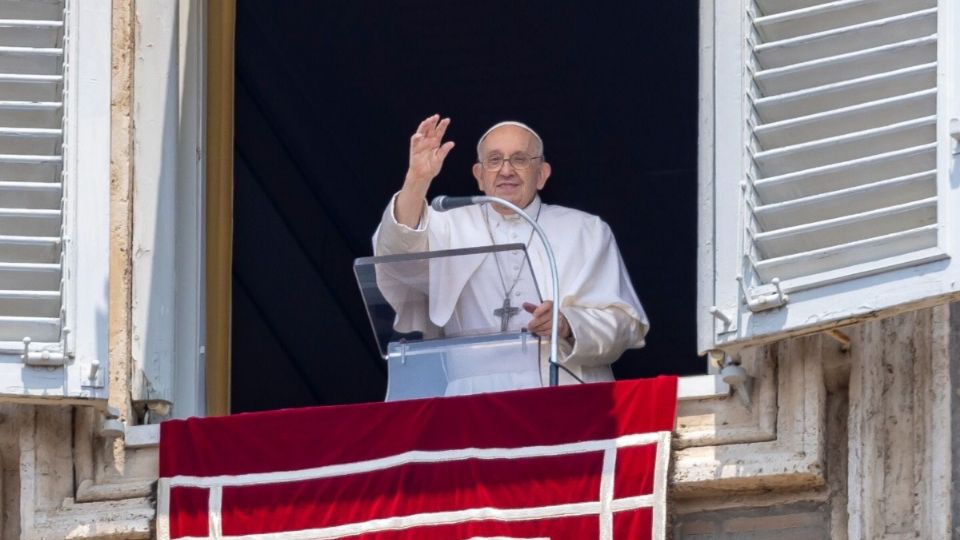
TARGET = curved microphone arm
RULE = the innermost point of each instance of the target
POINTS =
(444, 203)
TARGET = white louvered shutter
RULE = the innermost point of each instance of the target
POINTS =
(833, 172)
(31, 190)
(38, 311)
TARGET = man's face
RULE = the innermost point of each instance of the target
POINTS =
(518, 186)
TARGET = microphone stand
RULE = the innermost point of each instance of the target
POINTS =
(438, 203)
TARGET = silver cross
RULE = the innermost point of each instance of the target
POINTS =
(505, 313)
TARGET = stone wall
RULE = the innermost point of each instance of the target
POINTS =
(797, 521)
(833, 442)
(60, 479)
(862, 446)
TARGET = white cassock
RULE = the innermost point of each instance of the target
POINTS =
(597, 298)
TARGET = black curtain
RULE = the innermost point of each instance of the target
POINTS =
(327, 96)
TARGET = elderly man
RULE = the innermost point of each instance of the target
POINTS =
(600, 315)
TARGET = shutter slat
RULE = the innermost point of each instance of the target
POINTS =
(849, 39)
(29, 276)
(29, 23)
(38, 329)
(37, 170)
(20, 158)
(847, 174)
(30, 222)
(41, 65)
(872, 251)
(29, 132)
(846, 93)
(772, 7)
(32, 249)
(846, 229)
(31, 194)
(30, 303)
(24, 36)
(31, 51)
(833, 15)
(30, 90)
(30, 105)
(847, 66)
(34, 10)
(29, 78)
(847, 147)
(30, 145)
(860, 117)
(31, 114)
(834, 204)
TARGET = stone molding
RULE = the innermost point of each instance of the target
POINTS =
(776, 443)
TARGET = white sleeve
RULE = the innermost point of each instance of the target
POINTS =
(394, 237)
(600, 335)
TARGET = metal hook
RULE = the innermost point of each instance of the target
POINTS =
(766, 301)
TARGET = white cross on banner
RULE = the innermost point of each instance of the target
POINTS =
(567, 463)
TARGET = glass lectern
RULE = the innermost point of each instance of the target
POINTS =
(453, 322)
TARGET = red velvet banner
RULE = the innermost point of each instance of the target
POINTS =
(573, 462)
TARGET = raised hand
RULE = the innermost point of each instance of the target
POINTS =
(427, 152)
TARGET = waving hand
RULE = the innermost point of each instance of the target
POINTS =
(427, 152)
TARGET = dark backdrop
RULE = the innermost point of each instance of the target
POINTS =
(329, 92)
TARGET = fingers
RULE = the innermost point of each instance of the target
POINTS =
(444, 150)
(540, 322)
(542, 327)
(427, 125)
(433, 127)
(537, 310)
(423, 132)
(539, 326)
(429, 134)
(427, 151)
(541, 317)
(441, 128)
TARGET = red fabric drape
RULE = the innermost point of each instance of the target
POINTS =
(524, 464)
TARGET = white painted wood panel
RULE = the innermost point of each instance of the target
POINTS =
(156, 108)
(54, 197)
(845, 179)
(31, 213)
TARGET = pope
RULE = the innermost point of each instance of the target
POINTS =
(600, 314)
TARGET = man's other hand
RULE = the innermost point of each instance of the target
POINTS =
(540, 324)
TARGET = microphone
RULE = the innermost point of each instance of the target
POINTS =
(442, 203)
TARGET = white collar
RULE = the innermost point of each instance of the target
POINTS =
(533, 210)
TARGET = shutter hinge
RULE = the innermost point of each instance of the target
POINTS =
(41, 358)
(765, 300)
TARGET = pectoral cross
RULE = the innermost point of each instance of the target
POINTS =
(505, 313)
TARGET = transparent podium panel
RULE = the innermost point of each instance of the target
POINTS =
(453, 322)
(464, 365)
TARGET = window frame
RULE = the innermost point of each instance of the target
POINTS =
(87, 219)
(168, 287)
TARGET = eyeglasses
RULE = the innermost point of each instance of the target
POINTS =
(517, 161)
